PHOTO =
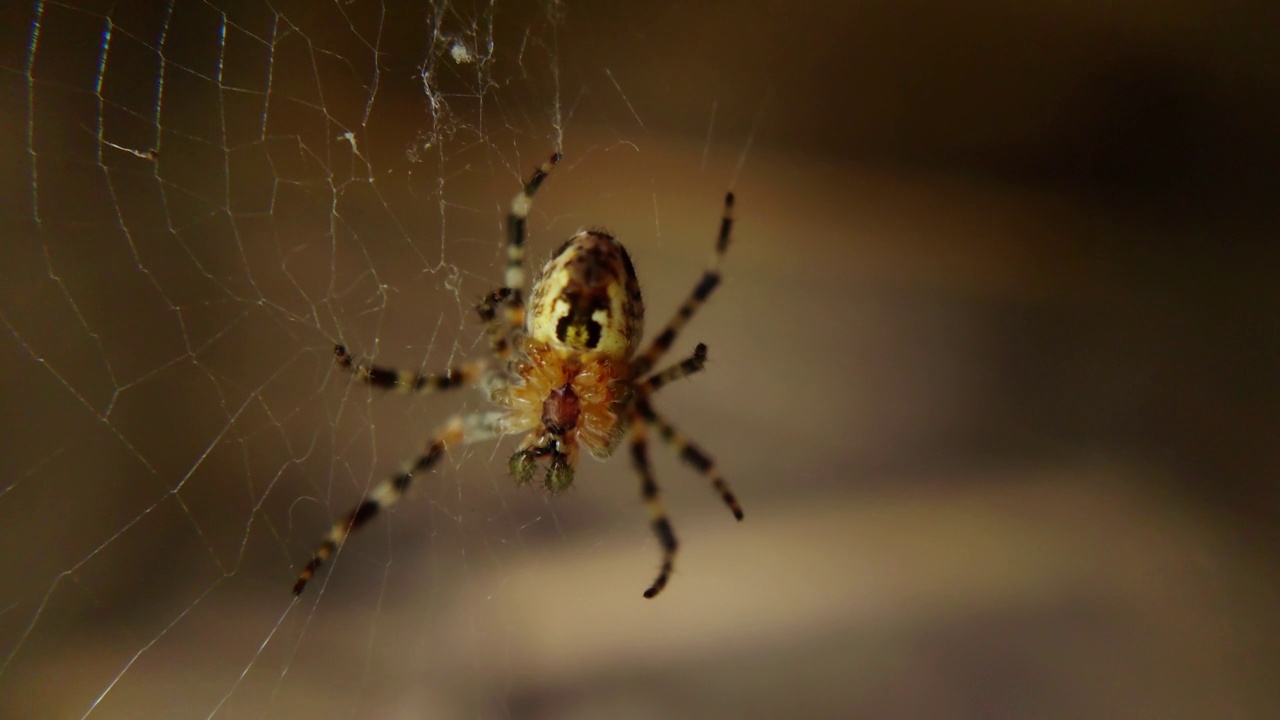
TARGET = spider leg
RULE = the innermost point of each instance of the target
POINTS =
(683, 369)
(460, 430)
(710, 279)
(516, 220)
(406, 381)
(691, 454)
(499, 329)
(657, 514)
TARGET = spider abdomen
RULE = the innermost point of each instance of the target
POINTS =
(587, 298)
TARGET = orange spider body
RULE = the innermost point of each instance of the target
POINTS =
(585, 317)
(567, 376)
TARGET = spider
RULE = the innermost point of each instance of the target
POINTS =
(566, 375)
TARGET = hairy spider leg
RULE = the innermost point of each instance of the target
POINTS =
(408, 381)
(516, 220)
(710, 279)
(658, 519)
(496, 328)
(690, 454)
(690, 365)
(459, 430)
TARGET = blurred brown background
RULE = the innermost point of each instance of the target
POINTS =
(992, 371)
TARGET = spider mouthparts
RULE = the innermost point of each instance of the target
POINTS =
(522, 464)
(559, 475)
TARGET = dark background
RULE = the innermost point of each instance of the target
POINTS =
(993, 370)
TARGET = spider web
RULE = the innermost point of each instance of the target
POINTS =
(927, 384)
(206, 196)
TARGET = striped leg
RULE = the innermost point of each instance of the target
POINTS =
(498, 330)
(657, 514)
(690, 365)
(710, 279)
(457, 431)
(406, 381)
(516, 219)
(691, 454)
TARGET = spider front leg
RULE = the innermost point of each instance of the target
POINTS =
(657, 513)
(691, 454)
(710, 280)
(459, 430)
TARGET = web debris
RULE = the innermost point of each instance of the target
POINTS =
(214, 193)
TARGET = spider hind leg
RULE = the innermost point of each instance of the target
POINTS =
(517, 217)
(709, 282)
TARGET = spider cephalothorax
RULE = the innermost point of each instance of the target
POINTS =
(567, 375)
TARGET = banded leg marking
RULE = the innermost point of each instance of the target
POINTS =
(516, 221)
(499, 331)
(690, 365)
(458, 431)
(657, 513)
(407, 381)
(710, 280)
(691, 454)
